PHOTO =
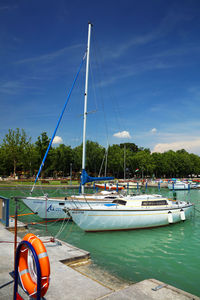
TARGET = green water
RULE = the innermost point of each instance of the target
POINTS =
(169, 254)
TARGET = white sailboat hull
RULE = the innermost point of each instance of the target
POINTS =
(50, 208)
(126, 219)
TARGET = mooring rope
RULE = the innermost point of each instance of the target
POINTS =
(197, 209)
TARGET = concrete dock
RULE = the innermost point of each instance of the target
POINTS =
(68, 283)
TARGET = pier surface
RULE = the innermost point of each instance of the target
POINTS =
(67, 283)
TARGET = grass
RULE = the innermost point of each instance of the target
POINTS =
(43, 182)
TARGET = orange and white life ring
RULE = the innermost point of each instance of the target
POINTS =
(27, 270)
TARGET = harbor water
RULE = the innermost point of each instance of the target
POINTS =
(169, 254)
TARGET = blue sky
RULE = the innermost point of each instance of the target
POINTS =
(144, 85)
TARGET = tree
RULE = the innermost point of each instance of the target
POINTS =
(159, 164)
(130, 146)
(144, 162)
(183, 163)
(94, 157)
(14, 145)
(116, 161)
(41, 146)
(77, 158)
(170, 163)
(62, 159)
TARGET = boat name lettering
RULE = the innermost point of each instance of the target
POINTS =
(51, 208)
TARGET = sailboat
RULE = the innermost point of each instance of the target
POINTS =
(53, 208)
(125, 213)
(106, 210)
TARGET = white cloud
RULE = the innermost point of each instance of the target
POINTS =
(123, 134)
(191, 146)
(153, 130)
(57, 140)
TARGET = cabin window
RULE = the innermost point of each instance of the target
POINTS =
(110, 197)
(154, 203)
(61, 203)
(118, 201)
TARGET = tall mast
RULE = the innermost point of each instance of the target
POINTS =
(85, 102)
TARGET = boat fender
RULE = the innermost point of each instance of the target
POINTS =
(26, 268)
(182, 213)
(170, 217)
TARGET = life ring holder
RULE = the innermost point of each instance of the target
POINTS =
(35, 288)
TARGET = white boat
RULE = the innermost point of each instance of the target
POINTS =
(131, 212)
(55, 208)
(181, 185)
(97, 212)
(52, 208)
(129, 184)
(126, 214)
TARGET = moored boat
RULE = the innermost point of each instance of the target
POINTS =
(181, 185)
(126, 214)
(52, 208)
(109, 186)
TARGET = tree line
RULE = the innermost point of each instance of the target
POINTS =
(19, 156)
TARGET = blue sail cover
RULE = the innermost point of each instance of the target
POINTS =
(86, 178)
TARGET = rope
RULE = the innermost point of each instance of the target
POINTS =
(62, 228)
(5, 284)
(196, 209)
(8, 242)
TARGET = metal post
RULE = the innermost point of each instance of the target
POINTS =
(80, 188)
(15, 238)
(70, 173)
(7, 211)
(124, 161)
